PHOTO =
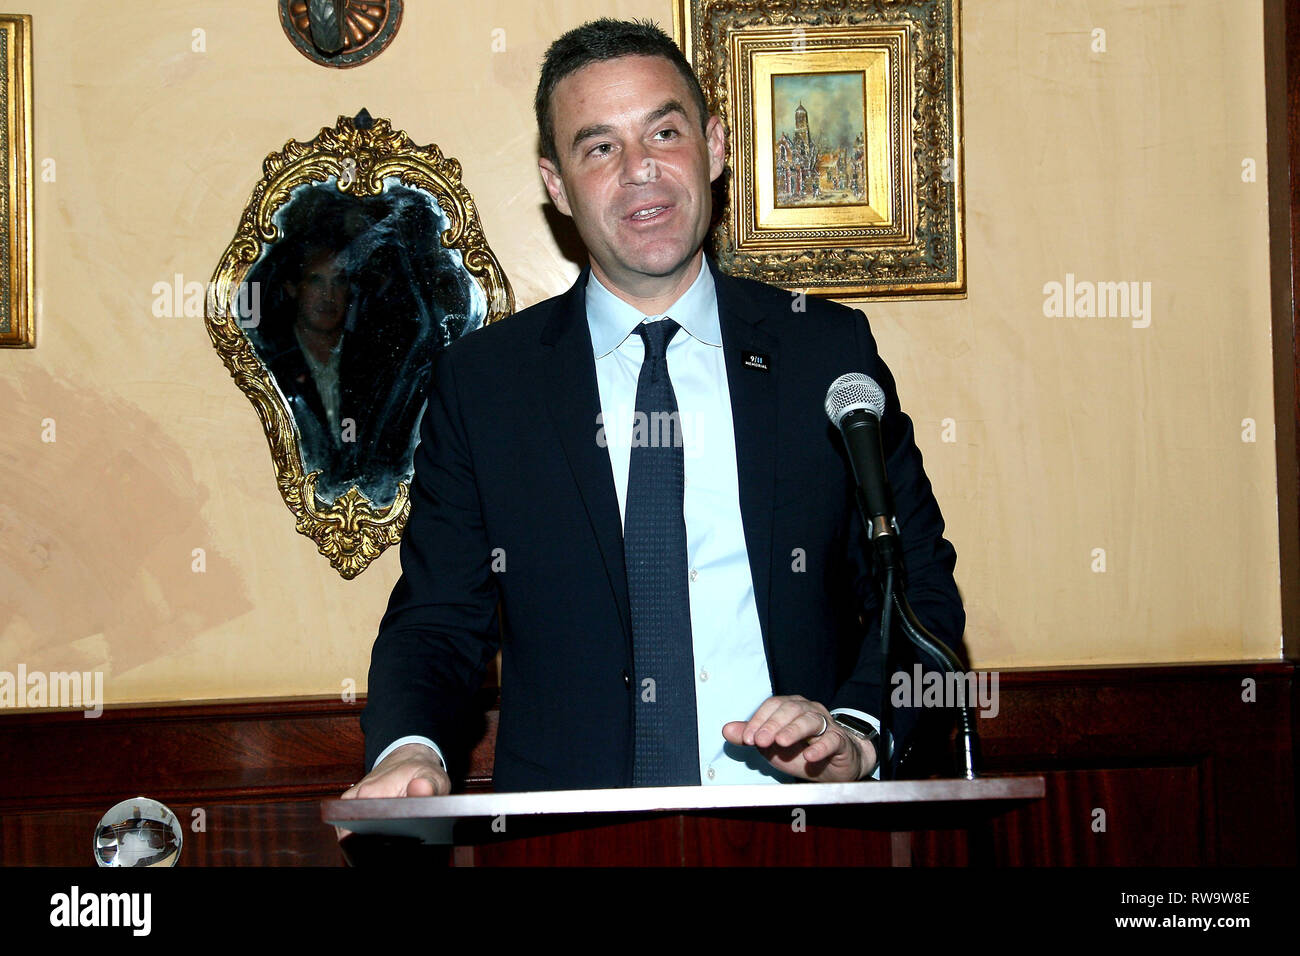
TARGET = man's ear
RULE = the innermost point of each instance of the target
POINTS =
(716, 139)
(554, 185)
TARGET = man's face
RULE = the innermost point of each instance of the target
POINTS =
(634, 169)
(322, 293)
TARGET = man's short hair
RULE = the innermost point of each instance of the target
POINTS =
(595, 42)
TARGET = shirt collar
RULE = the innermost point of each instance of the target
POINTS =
(612, 320)
(331, 364)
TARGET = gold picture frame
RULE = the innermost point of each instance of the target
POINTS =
(17, 324)
(356, 161)
(843, 123)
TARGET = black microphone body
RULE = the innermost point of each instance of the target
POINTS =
(861, 430)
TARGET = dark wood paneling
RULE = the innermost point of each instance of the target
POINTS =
(639, 842)
(1116, 735)
(1186, 771)
(1154, 816)
(278, 749)
(775, 843)
(1282, 105)
(266, 832)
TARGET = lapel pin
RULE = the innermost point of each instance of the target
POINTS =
(758, 360)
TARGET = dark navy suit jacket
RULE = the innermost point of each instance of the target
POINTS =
(509, 468)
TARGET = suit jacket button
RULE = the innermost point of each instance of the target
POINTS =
(627, 679)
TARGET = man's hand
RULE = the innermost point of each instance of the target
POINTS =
(412, 770)
(782, 729)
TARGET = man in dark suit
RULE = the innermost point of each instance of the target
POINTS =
(697, 610)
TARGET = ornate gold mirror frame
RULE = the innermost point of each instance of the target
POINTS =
(360, 157)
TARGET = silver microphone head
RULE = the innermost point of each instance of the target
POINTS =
(853, 392)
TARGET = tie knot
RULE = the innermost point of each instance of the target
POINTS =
(656, 336)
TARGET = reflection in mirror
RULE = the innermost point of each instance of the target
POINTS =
(358, 257)
(354, 302)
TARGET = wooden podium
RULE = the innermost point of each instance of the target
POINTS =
(813, 824)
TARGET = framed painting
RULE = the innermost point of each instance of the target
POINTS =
(16, 322)
(843, 123)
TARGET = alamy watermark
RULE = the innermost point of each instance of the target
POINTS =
(638, 429)
(129, 910)
(1083, 299)
(922, 688)
(82, 690)
(180, 299)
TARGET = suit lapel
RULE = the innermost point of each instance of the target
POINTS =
(753, 413)
(573, 401)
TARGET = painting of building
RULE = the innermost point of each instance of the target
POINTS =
(822, 161)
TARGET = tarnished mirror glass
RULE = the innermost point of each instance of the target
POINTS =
(358, 257)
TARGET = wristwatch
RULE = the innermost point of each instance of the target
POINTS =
(863, 731)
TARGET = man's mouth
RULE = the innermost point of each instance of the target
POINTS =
(646, 213)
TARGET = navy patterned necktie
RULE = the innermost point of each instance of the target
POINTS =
(654, 548)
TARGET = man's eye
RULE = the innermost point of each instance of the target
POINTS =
(667, 133)
(601, 150)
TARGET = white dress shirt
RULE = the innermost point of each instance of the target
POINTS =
(326, 376)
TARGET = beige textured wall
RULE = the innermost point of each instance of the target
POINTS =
(1069, 434)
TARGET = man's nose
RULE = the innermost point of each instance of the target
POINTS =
(638, 166)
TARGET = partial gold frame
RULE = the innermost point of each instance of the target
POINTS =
(350, 531)
(911, 244)
(16, 181)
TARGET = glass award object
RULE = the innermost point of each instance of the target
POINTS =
(138, 832)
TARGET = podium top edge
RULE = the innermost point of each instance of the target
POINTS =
(684, 799)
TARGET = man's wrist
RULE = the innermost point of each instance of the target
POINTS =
(869, 758)
(865, 733)
(406, 742)
(417, 749)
